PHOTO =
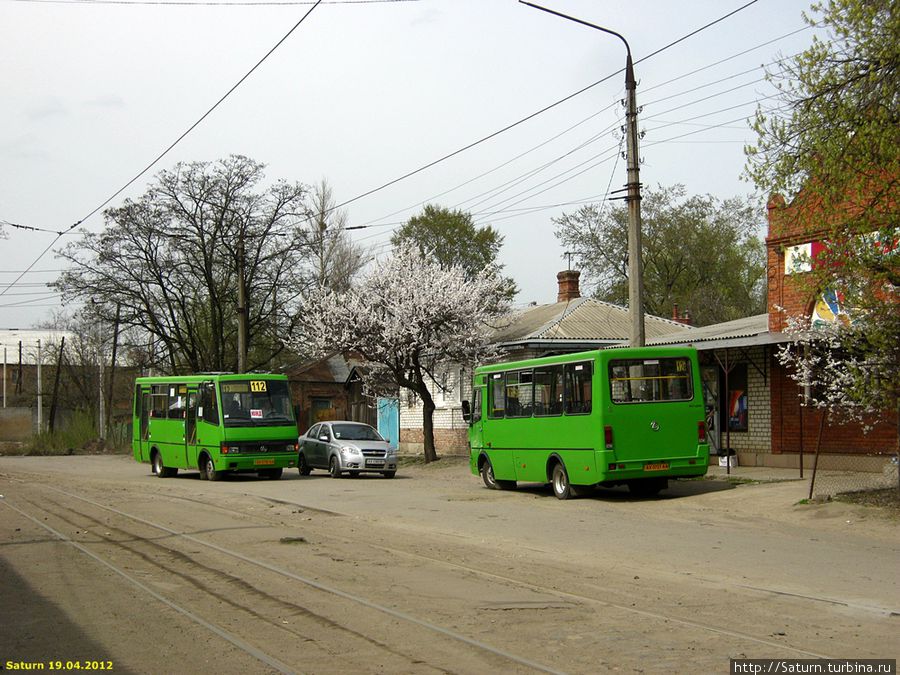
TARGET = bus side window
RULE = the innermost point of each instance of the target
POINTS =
(159, 401)
(208, 404)
(548, 391)
(519, 394)
(578, 388)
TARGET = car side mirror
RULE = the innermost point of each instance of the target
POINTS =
(467, 412)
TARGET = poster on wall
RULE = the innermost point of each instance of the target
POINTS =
(737, 410)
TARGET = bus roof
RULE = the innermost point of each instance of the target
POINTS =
(612, 353)
(209, 377)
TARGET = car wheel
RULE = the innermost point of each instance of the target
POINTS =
(334, 467)
(271, 474)
(389, 474)
(302, 466)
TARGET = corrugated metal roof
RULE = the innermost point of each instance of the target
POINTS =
(747, 332)
(581, 319)
(739, 328)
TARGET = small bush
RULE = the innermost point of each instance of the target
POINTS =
(78, 435)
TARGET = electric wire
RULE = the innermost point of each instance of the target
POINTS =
(430, 164)
(177, 140)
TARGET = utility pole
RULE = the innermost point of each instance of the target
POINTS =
(112, 371)
(635, 267)
(59, 365)
(633, 187)
(40, 398)
(242, 307)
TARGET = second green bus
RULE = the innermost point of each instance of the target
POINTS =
(632, 416)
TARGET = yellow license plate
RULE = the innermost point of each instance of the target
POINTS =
(263, 462)
(656, 467)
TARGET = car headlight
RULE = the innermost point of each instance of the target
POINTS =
(350, 450)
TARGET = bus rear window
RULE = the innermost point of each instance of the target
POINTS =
(650, 380)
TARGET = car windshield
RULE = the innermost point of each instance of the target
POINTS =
(256, 403)
(355, 432)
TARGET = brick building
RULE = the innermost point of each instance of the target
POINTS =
(755, 407)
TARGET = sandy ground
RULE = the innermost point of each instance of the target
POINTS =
(104, 565)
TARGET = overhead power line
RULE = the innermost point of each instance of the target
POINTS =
(172, 145)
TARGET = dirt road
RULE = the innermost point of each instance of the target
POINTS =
(106, 566)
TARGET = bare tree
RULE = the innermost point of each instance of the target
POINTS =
(172, 260)
(334, 259)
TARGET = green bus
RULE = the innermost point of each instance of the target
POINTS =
(632, 416)
(215, 423)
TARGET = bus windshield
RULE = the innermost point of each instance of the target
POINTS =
(256, 403)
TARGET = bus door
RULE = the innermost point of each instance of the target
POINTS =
(142, 409)
(476, 426)
(190, 426)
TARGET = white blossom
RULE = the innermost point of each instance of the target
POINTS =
(407, 318)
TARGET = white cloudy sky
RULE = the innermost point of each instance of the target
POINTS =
(362, 93)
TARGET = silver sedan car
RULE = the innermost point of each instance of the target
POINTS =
(351, 447)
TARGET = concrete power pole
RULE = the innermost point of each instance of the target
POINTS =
(635, 266)
(633, 186)
(242, 308)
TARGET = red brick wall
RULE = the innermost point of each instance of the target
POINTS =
(793, 425)
(790, 226)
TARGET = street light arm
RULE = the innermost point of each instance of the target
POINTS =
(629, 75)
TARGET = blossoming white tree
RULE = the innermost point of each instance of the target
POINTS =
(407, 317)
(843, 368)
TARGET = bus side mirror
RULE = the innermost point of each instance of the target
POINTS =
(467, 412)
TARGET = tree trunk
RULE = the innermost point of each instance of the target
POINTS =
(428, 428)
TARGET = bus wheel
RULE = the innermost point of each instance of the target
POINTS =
(271, 474)
(208, 470)
(160, 469)
(302, 466)
(487, 477)
(648, 487)
(334, 468)
(560, 482)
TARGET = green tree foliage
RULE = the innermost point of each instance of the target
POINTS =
(451, 238)
(169, 261)
(700, 253)
(831, 145)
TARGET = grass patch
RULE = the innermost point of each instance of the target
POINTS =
(78, 436)
(885, 498)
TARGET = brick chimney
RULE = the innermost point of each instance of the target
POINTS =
(568, 285)
(681, 318)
